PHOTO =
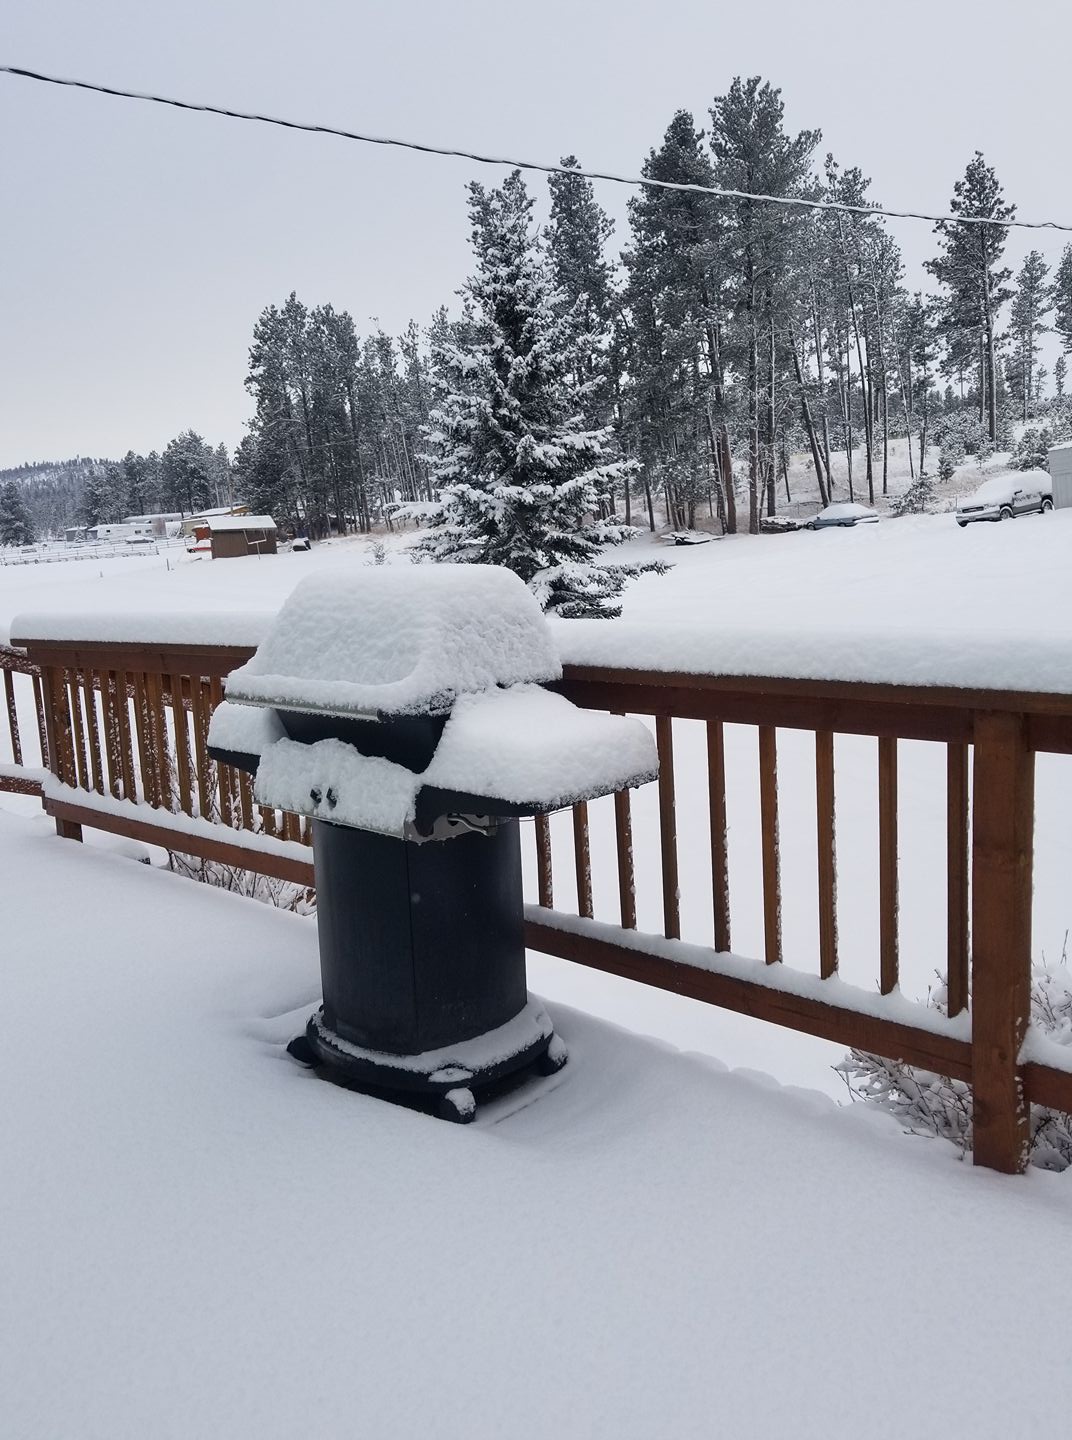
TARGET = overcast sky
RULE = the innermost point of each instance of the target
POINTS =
(139, 244)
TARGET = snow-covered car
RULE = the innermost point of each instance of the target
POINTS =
(1005, 496)
(844, 514)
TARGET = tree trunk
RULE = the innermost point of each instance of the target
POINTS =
(824, 495)
(647, 497)
(886, 439)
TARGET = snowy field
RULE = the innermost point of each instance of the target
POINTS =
(986, 605)
(198, 1238)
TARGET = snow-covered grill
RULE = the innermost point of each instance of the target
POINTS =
(402, 710)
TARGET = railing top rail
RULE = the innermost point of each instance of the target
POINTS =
(941, 713)
(946, 697)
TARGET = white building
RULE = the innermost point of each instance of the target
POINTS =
(1059, 460)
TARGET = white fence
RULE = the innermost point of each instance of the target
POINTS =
(51, 554)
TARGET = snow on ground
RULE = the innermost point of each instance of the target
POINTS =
(197, 1237)
(1004, 592)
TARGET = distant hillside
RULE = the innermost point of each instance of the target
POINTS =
(52, 489)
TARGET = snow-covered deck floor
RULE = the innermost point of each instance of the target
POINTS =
(197, 1238)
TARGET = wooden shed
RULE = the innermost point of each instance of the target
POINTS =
(233, 535)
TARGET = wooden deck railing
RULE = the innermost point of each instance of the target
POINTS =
(29, 756)
(125, 723)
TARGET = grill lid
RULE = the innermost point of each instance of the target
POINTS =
(400, 640)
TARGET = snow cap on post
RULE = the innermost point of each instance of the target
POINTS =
(399, 640)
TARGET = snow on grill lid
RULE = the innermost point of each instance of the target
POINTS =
(529, 746)
(398, 641)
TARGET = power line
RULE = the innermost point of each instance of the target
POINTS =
(425, 149)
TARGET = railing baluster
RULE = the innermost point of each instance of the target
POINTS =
(109, 713)
(123, 685)
(664, 740)
(582, 860)
(42, 728)
(75, 702)
(623, 838)
(720, 874)
(142, 730)
(198, 702)
(96, 764)
(154, 689)
(889, 960)
(223, 772)
(768, 813)
(544, 886)
(827, 842)
(181, 726)
(13, 717)
(245, 799)
(957, 873)
(268, 824)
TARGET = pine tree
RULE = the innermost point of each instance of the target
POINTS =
(16, 528)
(1031, 303)
(976, 287)
(1062, 296)
(186, 472)
(677, 405)
(581, 274)
(103, 497)
(519, 474)
(1060, 370)
(753, 154)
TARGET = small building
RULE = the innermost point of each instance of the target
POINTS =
(233, 535)
(1059, 461)
(190, 524)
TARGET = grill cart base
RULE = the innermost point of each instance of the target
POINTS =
(452, 1077)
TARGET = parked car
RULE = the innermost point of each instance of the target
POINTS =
(1006, 496)
(842, 515)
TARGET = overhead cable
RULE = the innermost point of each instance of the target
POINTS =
(796, 202)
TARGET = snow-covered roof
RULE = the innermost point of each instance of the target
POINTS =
(220, 523)
(398, 640)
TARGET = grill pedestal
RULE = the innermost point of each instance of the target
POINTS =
(422, 954)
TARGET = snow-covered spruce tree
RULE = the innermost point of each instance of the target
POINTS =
(16, 527)
(518, 473)
(916, 499)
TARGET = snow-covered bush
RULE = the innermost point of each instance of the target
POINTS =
(283, 893)
(929, 1104)
(947, 464)
(960, 433)
(1033, 445)
(917, 499)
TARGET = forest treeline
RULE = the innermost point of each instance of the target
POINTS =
(714, 339)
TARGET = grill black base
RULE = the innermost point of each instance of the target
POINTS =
(447, 1082)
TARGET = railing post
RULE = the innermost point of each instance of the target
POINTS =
(1003, 801)
(60, 739)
